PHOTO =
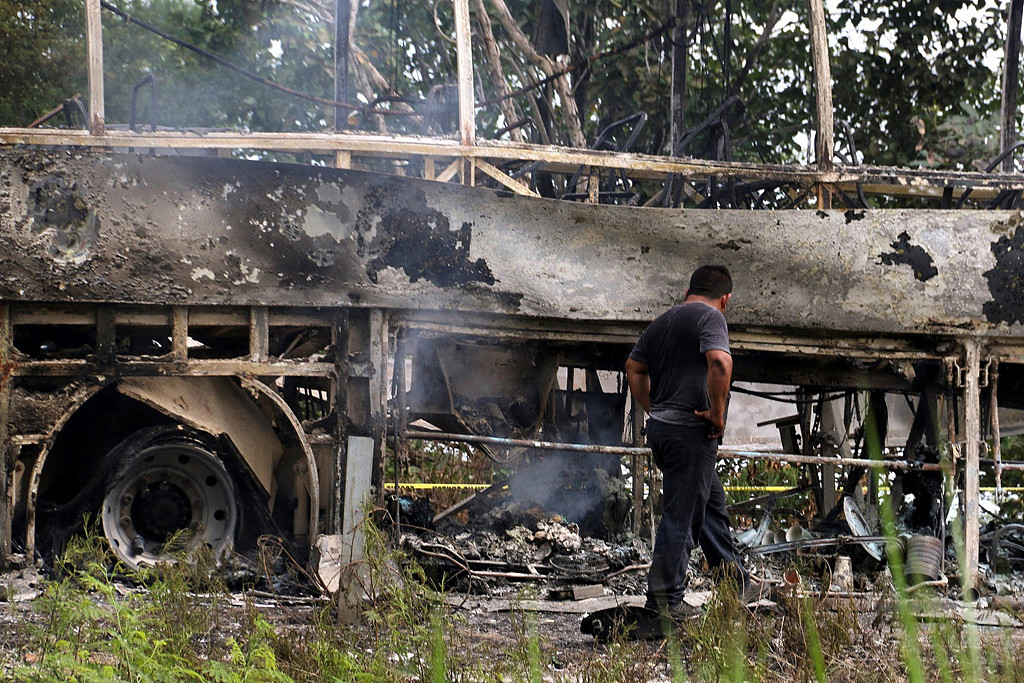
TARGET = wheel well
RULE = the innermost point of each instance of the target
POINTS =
(101, 423)
(77, 469)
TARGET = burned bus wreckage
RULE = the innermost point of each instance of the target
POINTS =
(199, 350)
(215, 345)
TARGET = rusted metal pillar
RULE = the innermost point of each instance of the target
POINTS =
(342, 12)
(972, 450)
(834, 444)
(400, 453)
(6, 450)
(339, 407)
(94, 40)
(637, 466)
(1011, 74)
(824, 142)
(379, 338)
(259, 334)
(680, 48)
(361, 442)
(179, 334)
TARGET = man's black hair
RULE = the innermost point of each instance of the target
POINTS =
(710, 281)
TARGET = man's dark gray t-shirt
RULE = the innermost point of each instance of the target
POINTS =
(673, 348)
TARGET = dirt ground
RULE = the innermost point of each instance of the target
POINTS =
(859, 636)
(501, 628)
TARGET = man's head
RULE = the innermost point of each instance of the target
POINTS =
(712, 284)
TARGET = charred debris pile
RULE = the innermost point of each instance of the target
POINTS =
(504, 538)
(558, 524)
(566, 523)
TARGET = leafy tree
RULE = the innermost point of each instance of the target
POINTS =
(44, 49)
(194, 91)
(924, 61)
(913, 79)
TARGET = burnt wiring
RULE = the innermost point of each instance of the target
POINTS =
(585, 62)
(787, 396)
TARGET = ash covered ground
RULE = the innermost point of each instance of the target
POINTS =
(515, 579)
(509, 571)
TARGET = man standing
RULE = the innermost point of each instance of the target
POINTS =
(679, 372)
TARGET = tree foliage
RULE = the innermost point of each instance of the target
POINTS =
(924, 61)
(43, 50)
(914, 80)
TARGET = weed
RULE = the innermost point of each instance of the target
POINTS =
(675, 657)
(94, 628)
(620, 661)
(721, 640)
(437, 663)
(813, 640)
(172, 626)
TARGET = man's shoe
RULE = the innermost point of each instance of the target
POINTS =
(676, 612)
(684, 610)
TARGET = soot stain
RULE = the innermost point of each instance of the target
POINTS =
(1006, 280)
(852, 216)
(732, 245)
(419, 241)
(912, 255)
(59, 205)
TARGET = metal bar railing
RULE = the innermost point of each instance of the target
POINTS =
(724, 452)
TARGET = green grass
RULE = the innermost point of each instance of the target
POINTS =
(177, 624)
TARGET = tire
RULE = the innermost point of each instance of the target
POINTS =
(170, 494)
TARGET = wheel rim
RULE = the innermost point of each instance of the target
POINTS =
(173, 497)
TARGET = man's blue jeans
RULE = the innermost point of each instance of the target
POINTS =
(693, 511)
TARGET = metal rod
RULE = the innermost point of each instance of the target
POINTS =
(723, 452)
(817, 543)
(1012, 466)
(680, 43)
(1011, 68)
(997, 450)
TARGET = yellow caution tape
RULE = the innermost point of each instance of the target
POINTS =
(765, 489)
(421, 485)
(768, 489)
(409, 484)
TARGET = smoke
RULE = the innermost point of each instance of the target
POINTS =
(576, 487)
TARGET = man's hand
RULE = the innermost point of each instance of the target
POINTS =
(719, 376)
(717, 423)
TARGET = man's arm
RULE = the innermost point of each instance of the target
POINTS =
(639, 383)
(719, 376)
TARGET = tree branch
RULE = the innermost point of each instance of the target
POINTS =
(508, 106)
(563, 87)
(538, 118)
(762, 42)
(522, 42)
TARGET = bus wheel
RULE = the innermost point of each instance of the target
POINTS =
(173, 495)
